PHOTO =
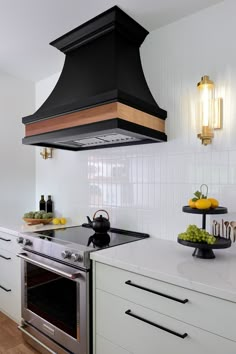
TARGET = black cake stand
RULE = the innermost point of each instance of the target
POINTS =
(203, 250)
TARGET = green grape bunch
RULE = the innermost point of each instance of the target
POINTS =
(195, 234)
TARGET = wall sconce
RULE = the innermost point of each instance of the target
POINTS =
(46, 153)
(210, 111)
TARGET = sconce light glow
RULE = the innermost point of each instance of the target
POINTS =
(209, 110)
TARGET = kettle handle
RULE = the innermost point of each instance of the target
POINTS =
(101, 210)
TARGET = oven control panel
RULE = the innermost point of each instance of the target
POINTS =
(75, 257)
(24, 241)
(55, 249)
(66, 254)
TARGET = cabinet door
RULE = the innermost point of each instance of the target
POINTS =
(103, 346)
(142, 331)
(8, 242)
(10, 304)
(9, 270)
(10, 289)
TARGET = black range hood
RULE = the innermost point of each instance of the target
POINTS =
(101, 98)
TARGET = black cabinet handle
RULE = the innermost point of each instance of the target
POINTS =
(4, 239)
(129, 313)
(128, 282)
(2, 287)
(7, 258)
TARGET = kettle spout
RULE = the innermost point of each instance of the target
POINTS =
(89, 220)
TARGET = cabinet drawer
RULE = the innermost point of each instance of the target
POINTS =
(207, 312)
(10, 271)
(142, 330)
(8, 242)
(103, 346)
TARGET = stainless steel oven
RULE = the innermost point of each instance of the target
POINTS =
(56, 285)
(55, 304)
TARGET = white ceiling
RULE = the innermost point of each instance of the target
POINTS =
(27, 27)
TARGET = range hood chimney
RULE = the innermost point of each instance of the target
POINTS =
(101, 98)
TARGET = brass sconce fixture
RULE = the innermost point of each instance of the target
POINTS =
(210, 110)
(46, 153)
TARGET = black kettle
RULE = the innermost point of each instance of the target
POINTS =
(100, 224)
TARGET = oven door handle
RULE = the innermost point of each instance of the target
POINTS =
(71, 276)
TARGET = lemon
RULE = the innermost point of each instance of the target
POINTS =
(203, 204)
(214, 203)
(63, 221)
(191, 203)
(56, 221)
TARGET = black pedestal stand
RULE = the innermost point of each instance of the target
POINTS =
(203, 253)
(203, 250)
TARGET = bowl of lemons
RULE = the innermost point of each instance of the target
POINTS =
(38, 217)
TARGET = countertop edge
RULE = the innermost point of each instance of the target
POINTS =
(165, 277)
(16, 230)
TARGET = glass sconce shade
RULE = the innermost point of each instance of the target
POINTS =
(208, 111)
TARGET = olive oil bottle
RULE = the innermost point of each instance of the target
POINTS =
(49, 204)
(42, 203)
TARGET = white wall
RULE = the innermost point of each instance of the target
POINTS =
(17, 162)
(145, 187)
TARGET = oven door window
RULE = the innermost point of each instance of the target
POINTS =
(53, 298)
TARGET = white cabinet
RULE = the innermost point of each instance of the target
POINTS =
(174, 301)
(10, 277)
(103, 346)
(139, 321)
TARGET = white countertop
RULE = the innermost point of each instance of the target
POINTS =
(173, 263)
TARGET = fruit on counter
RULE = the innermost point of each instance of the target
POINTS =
(214, 202)
(192, 203)
(38, 215)
(195, 234)
(203, 204)
(57, 221)
(63, 221)
(201, 201)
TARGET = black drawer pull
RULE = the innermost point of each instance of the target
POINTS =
(7, 290)
(7, 258)
(129, 313)
(128, 282)
(4, 239)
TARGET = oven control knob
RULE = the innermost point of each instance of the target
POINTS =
(66, 254)
(76, 257)
(27, 242)
(19, 239)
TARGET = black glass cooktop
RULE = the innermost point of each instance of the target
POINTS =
(84, 235)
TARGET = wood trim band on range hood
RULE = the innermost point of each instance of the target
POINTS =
(96, 114)
(101, 98)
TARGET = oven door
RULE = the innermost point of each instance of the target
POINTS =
(55, 300)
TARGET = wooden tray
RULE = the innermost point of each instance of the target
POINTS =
(37, 221)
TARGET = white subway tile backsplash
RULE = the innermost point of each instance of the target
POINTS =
(146, 192)
(232, 167)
